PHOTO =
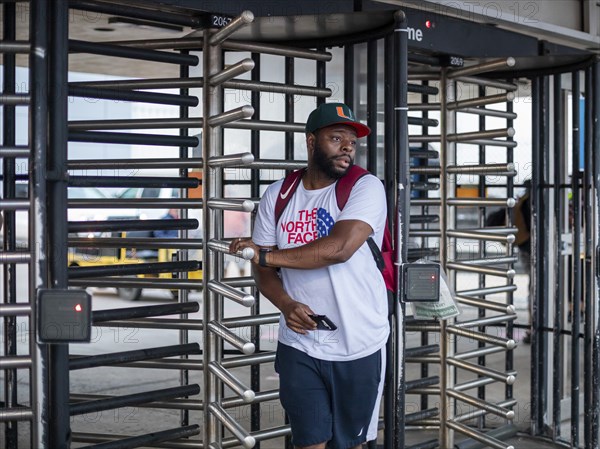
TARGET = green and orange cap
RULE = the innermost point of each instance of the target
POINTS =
(335, 113)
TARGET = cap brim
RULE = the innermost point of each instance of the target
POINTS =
(361, 130)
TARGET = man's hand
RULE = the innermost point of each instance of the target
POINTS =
(240, 243)
(297, 317)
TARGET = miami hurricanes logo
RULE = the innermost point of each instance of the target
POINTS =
(340, 113)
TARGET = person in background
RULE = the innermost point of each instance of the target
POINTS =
(316, 261)
(522, 217)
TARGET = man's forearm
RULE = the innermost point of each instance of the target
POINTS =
(269, 284)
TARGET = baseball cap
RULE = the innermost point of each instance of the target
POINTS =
(333, 113)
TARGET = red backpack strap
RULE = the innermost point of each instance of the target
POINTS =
(288, 188)
(346, 182)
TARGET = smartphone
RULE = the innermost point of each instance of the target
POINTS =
(323, 323)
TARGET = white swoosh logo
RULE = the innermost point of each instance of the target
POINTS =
(287, 192)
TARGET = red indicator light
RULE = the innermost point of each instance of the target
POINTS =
(429, 24)
(433, 277)
(78, 308)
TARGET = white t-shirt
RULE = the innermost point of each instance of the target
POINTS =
(351, 294)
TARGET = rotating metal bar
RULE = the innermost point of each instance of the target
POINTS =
(141, 203)
(489, 113)
(133, 269)
(483, 202)
(9, 258)
(15, 47)
(81, 408)
(130, 225)
(492, 143)
(487, 82)
(136, 181)
(428, 138)
(424, 233)
(99, 316)
(150, 439)
(266, 125)
(96, 48)
(96, 438)
(130, 164)
(248, 360)
(424, 106)
(132, 139)
(112, 282)
(15, 310)
(479, 352)
(221, 331)
(481, 437)
(150, 123)
(488, 169)
(243, 205)
(183, 19)
(133, 95)
(487, 321)
(232, 425)
(509, 274)
(277, 164)
(263, 396)
(245, 393)
(488, 290)
(117, 358)
(243, 321)
(16, 414)
(483, 68)
(241, 21)
(231, 116)
(475, 383)
(242, 298)
(488, 236)
(231, 160)
(488, 134)
(223, 247)
(239, 68)
(425, 171)
(486, 304)
(14, 204)
(490, 261)
(508, 379)
(476, 413)
(418, 121)
(423, 89)
(14, 99)
(279, 50)
(17, 151)
(15, 362)
(507, 343)
(484, 405)
(156, 323)
(239, 84)
(481, 101)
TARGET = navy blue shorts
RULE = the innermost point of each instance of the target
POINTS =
(329, 401)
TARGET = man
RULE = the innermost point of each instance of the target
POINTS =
(330, 381)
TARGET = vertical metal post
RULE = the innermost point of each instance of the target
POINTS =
(321, 77)
(211, 145)
(595, 99)
(9, 245)
(372, 106)
(349, 78)
(38, 80)
(402, 224)
(390, 181)
(588, 367)
(183, 294)
(558, 264)
(576, 292)
(57, 211)
(539, 385)
(509, 363)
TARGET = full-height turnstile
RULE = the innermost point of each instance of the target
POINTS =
(453, 367)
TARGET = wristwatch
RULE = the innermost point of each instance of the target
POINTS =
(262, 256)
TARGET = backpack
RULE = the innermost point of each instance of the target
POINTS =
(384, 258)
